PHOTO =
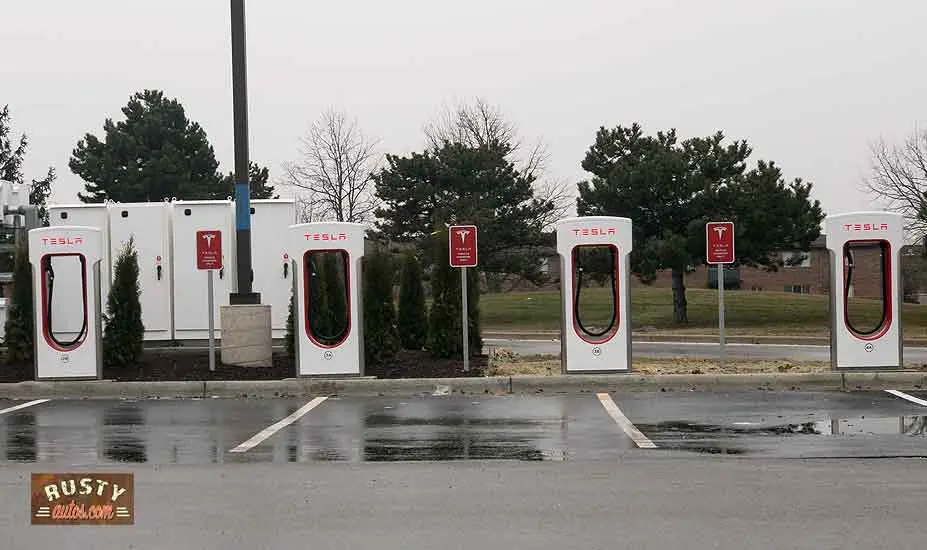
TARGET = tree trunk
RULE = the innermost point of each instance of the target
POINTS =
(679, 298)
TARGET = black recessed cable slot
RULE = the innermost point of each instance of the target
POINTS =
(850, 268)
(48, 273)
(578, 288)
(319, 320)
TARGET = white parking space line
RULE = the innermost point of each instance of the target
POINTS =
(907, 397)
(612, 409)
(274, 428)
(23, 406)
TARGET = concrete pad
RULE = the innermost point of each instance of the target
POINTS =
(247, 339)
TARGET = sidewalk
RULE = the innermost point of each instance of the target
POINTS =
(668, 336)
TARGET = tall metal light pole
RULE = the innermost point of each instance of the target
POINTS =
(242, 185)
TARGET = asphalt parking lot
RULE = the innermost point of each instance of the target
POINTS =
(453, 427)
(635, 470)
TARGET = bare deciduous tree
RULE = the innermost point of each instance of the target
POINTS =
(333, 175)
(479, 124)
(899, 177)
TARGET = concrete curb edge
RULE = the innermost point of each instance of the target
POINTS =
(539, 385)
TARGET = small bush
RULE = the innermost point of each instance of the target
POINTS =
(124, 332)
(20, 322)
(381, 338)
(413, 318)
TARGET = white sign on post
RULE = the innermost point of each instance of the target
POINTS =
(209, 258)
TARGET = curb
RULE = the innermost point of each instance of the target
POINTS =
(568, 384)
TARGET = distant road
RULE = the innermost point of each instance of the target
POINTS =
(795, 352)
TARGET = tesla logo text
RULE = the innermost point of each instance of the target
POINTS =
(326, 236)
(865, 226)
(208, 237)
(595, 231)
(62, 241)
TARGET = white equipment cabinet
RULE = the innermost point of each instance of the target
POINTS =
(270, 225)
(191, 315)
(68, 319)
(149, 225)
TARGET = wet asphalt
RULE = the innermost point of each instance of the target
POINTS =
(702, 470)
(453, 427)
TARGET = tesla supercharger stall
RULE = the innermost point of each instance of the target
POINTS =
(328, 321)
(61, 354)
(865, 285)
(595, 337)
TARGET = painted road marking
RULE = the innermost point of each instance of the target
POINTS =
(639, 438)
(910, 398)
(271, 430)
(24, 405)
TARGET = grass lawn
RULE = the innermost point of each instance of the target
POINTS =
(751, 312)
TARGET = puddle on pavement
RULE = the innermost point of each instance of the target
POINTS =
(121, 442)
(723, 439)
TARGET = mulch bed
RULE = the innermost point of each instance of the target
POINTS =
(182, 366)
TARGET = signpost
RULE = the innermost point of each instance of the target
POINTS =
(209, 259)
(719, 244)
(463, 254)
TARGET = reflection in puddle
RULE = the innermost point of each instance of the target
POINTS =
(21, 437)
(119, 440)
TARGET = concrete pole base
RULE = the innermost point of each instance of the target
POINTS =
(246, 335)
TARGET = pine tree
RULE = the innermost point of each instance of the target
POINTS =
(413, 318)
(381, 338)
(444, 330)
(20, 323)
(124, 333)
(290, 338)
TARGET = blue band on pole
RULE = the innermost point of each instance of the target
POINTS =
(242, 207)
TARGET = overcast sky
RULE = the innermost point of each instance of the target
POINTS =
(808, 83)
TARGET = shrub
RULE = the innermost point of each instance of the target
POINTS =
(20, 322)
(124, 332)
(381, 338)
(413, 318)
(444, 330)
(290, 338)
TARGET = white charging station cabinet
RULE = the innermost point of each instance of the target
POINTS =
(69, 320)
(869, 243)
(270, 260)
(606, 241)
(340, 351)
(64, 354)
(191, 306)
(148, 225)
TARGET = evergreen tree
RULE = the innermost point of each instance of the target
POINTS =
(124, 332)
(257, 180)
(444, 329)
(290, 338)
(20, 322)
(381, 339)
(11, 162)
(413, 319)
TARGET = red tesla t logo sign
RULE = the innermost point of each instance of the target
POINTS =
(719, 242)
(208, 249)
(462, 245)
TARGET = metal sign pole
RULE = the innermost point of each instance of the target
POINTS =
(721, 311)
(466, 328)
(212, 322)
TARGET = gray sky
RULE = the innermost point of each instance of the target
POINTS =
(808, 84)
